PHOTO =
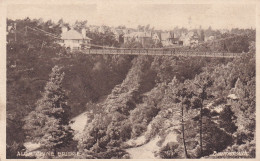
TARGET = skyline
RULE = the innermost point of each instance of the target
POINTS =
(160, 16)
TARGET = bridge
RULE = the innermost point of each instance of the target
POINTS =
(161, 52)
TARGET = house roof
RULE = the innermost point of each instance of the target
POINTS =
(138, 34)
(190, 35)
(119, 32)
(72, 35)
(157, 35)
(193, 34)
(166, 35)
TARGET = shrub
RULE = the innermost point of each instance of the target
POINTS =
(138, 129)
(170, 150)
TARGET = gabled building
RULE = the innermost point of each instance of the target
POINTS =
(210, 38)
(141, 37)
(129, 30)
(156, 37)
(119, 35)
(10, 31)
(223, 31)
(167, 38)
(190, 39)
(74, 40)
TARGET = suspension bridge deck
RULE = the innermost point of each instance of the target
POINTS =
(161, 52)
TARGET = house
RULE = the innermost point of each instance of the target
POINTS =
(128, 30)
(156, 37)
(10, 29)
(223, 31)
(167, 38)
(10, 34)
(72, 39)
(190, 39)
(210, 38)
(141, 37)
(119, 35)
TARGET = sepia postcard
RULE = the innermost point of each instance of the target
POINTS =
(123, 79)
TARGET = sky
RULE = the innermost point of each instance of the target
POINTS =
(160, 16)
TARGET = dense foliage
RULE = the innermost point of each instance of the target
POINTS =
(106, 38)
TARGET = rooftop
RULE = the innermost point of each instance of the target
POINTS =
(138, 34)
(73, 35)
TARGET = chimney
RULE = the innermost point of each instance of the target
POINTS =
(64, 29)
(83, 32)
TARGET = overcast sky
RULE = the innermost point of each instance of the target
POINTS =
(161, 16)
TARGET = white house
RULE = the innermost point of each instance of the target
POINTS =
(74, 40)
(156, 37)
(190, 39)
(210, 38)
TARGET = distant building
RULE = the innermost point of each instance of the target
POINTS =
(128, 30)
(167, 38)
(10, 29)
(10, 33)
(141, 37)
(190, 39)
(223, 31)
(74, 40)
(156, 37)
(119, 35)
(210, 38)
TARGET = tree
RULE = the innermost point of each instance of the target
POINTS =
(202, 35)
(201, 85)
(227, 119)
(48, 123)
(180, 99)
(244, 109)
(132, 44)
(147, 27)
(140, 28)
(79, 25)
(105, 38)
(61, 22)
(121, 27)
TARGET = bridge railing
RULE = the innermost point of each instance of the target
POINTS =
(160, 52)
